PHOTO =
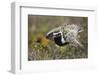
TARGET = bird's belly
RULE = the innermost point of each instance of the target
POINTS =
(59, 42)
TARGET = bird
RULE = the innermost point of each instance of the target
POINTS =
(67, 34)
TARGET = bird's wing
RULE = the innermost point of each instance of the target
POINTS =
(76, 43)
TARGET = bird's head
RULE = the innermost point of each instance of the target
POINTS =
(49, 36)
(53, 35)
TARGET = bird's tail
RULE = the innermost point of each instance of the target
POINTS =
(78, 44)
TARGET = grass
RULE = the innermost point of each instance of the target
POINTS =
(40, 48)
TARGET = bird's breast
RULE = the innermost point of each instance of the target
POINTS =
(59, 42)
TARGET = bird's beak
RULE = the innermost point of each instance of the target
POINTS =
(47, 36)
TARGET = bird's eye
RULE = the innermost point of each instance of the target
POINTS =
(49, 36)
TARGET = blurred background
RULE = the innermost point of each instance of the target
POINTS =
(40, 48)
